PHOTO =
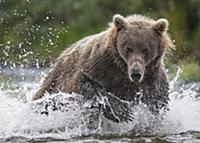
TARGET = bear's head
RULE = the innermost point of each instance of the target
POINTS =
(139, 42)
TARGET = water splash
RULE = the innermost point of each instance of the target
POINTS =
(19, 116)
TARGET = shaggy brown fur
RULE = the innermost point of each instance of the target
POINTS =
(106, 62)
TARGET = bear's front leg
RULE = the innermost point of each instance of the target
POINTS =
(156, 96)
(113, 108)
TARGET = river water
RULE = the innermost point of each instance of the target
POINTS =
(21, 121)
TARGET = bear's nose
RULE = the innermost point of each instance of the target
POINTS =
(136, 74)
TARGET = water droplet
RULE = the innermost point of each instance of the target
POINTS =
(8, 42)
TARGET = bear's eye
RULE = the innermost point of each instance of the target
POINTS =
(145, 52)
(129, 49)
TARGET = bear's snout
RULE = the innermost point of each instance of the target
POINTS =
(136, 71)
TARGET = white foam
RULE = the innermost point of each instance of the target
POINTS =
(17, 116)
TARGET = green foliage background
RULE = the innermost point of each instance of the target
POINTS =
(34, 32)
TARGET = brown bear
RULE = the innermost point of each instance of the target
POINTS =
(120, 62)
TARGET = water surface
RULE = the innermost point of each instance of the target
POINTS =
(21, 121)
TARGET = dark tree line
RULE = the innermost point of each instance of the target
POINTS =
(33, 31)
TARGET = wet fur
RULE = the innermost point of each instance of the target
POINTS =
(94, 63)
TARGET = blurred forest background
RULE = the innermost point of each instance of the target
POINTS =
(34, 32)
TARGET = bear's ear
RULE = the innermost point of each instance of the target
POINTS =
(119, 21)
(161, 25)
